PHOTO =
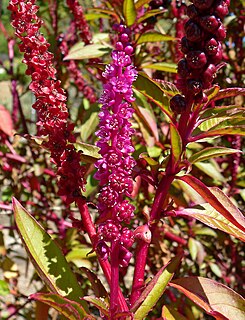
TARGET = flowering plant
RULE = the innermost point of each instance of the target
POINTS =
(135, 170)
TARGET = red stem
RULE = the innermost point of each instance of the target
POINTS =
(114, 285)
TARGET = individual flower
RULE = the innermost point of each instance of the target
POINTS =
(116, 164)
(50, 102)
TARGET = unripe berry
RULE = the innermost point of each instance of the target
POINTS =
(196, 59)
(194, 86)
(183, 70)
(124, 37)
(193, 31)
(211, 47)
(203, 4)
(178, 104)
(220, 33)
(209, 23)
(129, 50)
(119, 46)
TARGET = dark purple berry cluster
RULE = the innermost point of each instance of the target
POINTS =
(202, 46)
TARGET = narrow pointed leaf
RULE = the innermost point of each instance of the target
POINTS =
(6, 123)
(218, 200)
(216, 299)
(129, 12)
(46, 256)
(154, 37)
(98, 303)
(80, 52)
(169, 313)
(162, 66)
(90, 153)
(211, 152)
(155, 289)
(151, 13)
(229, 92)
(140, 3)
(211, 217)
(232, 130)
(176, 142)
(68, 308)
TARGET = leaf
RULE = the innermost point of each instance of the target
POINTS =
(140, 3)
(215, 269)
(6, 123)
(229, 92)
(80, 256)
(150, 120)
(98, 288)
(193, 248)
(154, 37)
(129, 12)
(80, 52)
(89, 126)
(99, 303)
(216, 299)
(68, 308)
(212, 92)
(46, 256)
(107, 12)
(153, 92)
(155, 289)
(4, 288)
(176, 142)
(218, 200)
(149, 14)
(211, 169)
(169, 313)
(162, 66)
(211, 152)
(90, 153)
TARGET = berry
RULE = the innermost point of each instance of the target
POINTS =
(192, 12)
(194, 86)
(221, 9)
(196, 59)
(217, 58)
(203, 4)
(209, 23)
(193, 31)
(124, 37)
(211, 47)
(178, 104)
(185, 45)
(209, 73)
(183, 68)
(220, 34)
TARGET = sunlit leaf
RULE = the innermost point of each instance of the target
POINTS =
(129, 12)
(90, 153)
(107, 12)
(68, 308)
(155, 289)
(211, 152)
(211, 169)
(6, 123)
(176, 142)
(168, 88)
(229, 92)
(140, 3)
(169, 313)
(216, 299)
(149, 14)
(162, 66)
(80, 51)
(193, 248)
(4, 288)
(98, 303)
(215, 269)
(46, 256)
(154, 37)
(89, 126)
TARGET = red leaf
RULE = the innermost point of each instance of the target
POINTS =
(6, 123)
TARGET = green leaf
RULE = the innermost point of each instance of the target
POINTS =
(90, 153)
(176, 142)
(169, 313)
(70, 309)
(80, 52)
(212, 92)
(211, 152)
(140, 3)
(95, 16)
(193, 248)
(211, 169)
(89, 126)
(155, 289)
(229, 92)
(215, 298)
(168, 88)
(211, 217)
(4, 288)
(218, 200)
(46, 256)
(129, 12)
(80, 256)
(153, 92)
(154, 37)
(215, 269)
(162, 66)
(98, 303)
(149, 14)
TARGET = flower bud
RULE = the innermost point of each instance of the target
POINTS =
(220, 33)
(209, 23)
(221, 9)
(194, 86)
(211, 47)
(196, 59)
(209, 73)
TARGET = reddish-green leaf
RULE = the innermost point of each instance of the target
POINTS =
(155, 289)
(229, 92)
(162, 66)
(80, 51)
(98, 303)
(169, 313)
(46, 256)
(154, 37)
(211, 152)
(151, 13)
(218, 200)
(6, 123)
(129, 12)
(68, 308)
(90, 153)
(140, 3)
(211, 217)
(216, 299)
(176, 142)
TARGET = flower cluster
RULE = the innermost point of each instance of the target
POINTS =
(50, 98)
(116, 165)
(202, 47)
